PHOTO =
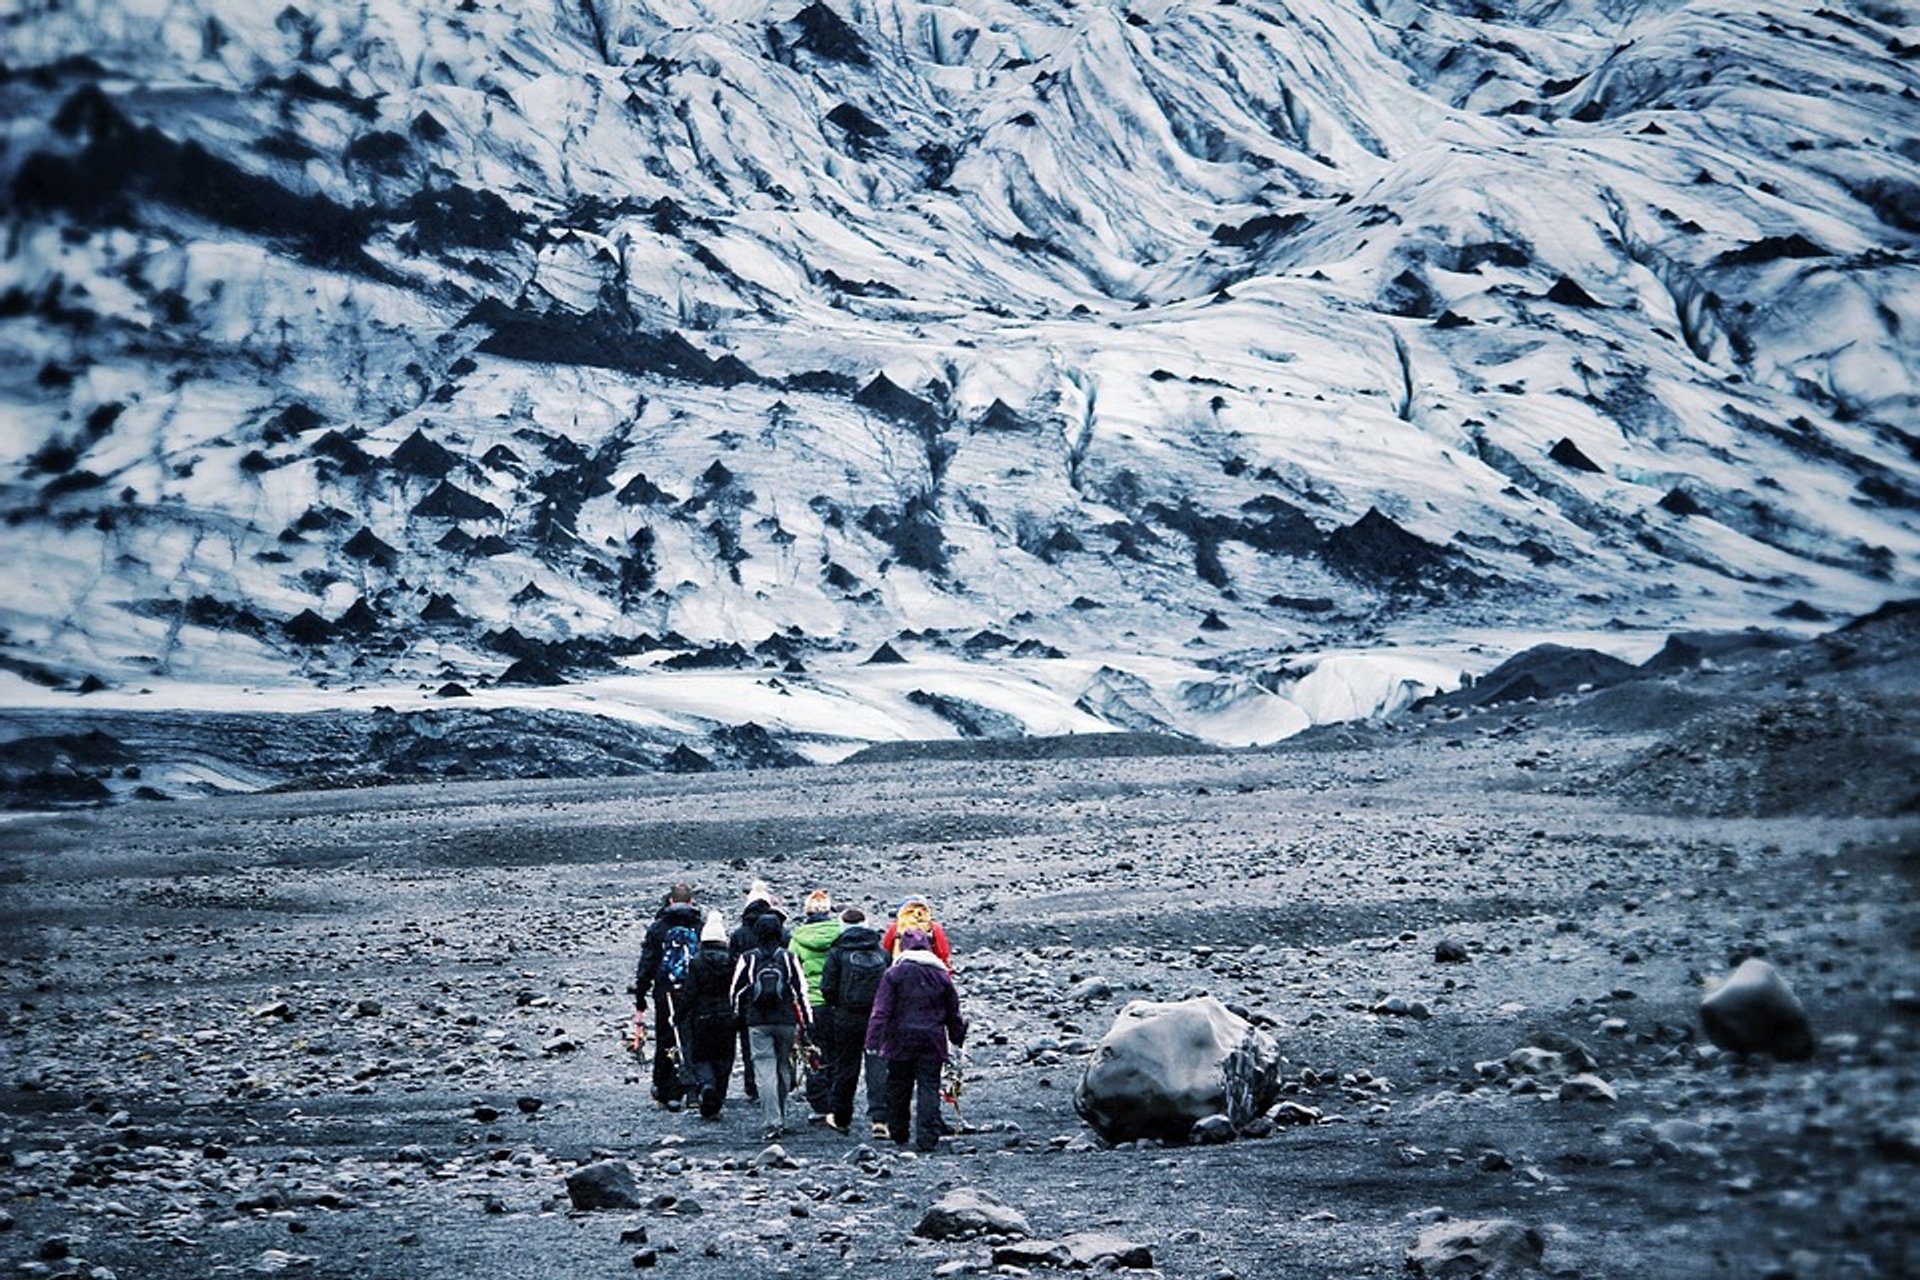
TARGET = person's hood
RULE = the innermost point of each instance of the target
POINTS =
(817, 936)
(676, 913)
(855, 936)
(760, 907)
(921, 957)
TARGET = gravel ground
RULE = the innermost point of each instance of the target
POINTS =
(368, 1033)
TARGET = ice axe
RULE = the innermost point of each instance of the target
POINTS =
(637, 1038)
(953, 1082)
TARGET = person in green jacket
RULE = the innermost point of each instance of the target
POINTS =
(815, 932)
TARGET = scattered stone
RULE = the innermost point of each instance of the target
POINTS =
(774, 1156)
(1755, 1011)
(1162, 1066)
(966, 1212)
(1209, 1130)
(1082, 1251)
(1090, 991)
(1401, 1007)
(1587, 1088)
(1032, 1254)
(1296, 1113)
(1545, 1064)
(606, 1184)
(1899, 1139)
(1450, 951)
(1490, 1249)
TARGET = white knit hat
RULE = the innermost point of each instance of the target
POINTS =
(715, 927)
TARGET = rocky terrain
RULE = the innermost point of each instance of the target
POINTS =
(373, 1032)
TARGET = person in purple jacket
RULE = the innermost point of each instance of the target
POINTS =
(915, 1012)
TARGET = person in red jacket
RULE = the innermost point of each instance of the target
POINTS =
(916, 1012)
(914, 913)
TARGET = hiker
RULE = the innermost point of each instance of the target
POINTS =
(848, 982)
(811, 938)
(916, 1012)
(760, 901)
(672, 939)
(770, 994)
(710, 1019)
(914, 913)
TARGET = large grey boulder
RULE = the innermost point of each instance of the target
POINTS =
(1488, 1249)
(1164, 1065)
(1755, 1011)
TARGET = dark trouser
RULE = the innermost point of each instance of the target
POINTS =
(669, 1039)
(876, 1088)
(710, 1042)
(914, 1084)
(847, 1049)
(820, 1080)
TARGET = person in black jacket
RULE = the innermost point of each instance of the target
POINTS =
(671, 942)
(770, 992)
(760, 902)
(710, 1019)
(855, 964)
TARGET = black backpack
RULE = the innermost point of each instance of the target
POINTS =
(770, 990)
(860, 973)
(676, 956)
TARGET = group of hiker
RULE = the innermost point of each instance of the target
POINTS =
(826, 998)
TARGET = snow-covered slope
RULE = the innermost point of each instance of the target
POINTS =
(1214, 367)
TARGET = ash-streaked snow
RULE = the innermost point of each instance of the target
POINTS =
(1211, 357)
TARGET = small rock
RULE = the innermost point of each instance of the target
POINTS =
(1899, 1139)
(1090, 991)
(1755, 1011)
(606, 1184)
(1492, 1248)
(1031, 1254)
(1082, 1251)
(1450, 951)
(774, 1156)
(1531, 1060)
(965, 1212)
(529, 1105)
(1209, 1130)
(1289, 1113)
(1587, 1088)
(1401, 1007)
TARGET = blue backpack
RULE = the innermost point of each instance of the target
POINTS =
(676, 956)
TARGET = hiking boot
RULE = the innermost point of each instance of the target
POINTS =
(838, 1126)
(880, 1130)
(771, 1133)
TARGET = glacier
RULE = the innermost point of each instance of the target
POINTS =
(1213, 369)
